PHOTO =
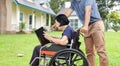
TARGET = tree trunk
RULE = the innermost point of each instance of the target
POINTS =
(3, 16)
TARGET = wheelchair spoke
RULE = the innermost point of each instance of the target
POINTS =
(59, 61)
(76, 59)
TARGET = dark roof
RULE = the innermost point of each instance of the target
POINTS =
(34, 6)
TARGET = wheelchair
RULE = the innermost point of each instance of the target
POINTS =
(71, 56)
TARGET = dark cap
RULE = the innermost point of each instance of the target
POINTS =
(62, 19)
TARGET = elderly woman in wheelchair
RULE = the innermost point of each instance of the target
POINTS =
(63, 51)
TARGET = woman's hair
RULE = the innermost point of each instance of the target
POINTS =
(62, 19)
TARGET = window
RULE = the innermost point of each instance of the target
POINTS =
(30, 21)
(74, 23)
(34, 21)
(21, 17)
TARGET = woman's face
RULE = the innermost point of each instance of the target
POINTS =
(60, 28)
(58, 25)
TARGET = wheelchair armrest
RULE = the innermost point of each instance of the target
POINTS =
(69, 46)
(46, 45)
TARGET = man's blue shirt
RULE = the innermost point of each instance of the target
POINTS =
(79, 7)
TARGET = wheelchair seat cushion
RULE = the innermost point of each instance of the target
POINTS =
(51, 50)
(55, 47)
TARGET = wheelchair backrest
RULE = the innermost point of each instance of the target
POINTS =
(75, 42)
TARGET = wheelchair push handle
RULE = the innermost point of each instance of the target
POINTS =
(78, 31)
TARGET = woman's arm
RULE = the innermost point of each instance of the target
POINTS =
(63, 41)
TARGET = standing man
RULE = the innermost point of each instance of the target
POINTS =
(93, 29)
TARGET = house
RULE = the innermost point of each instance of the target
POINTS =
(75, 22)
(32, 13)
(73, 18)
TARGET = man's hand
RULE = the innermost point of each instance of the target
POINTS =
(84, 29)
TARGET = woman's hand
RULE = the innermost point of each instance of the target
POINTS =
(54, 27)
(47, 36)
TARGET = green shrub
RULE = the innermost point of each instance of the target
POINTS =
(22, 26)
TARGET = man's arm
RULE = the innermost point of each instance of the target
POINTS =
(84, 29)
(87, 15)
(69, 12)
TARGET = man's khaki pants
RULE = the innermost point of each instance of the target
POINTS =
(94, 41)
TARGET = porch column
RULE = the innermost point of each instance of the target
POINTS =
(33, 20)
(18, 16)
(49, 24)
(41, 18)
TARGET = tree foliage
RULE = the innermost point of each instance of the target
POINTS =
(104, 7)
(57, 4)
(114, 18)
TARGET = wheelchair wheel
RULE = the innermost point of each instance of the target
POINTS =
(68, 57)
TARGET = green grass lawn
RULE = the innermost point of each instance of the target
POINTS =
(13, 44)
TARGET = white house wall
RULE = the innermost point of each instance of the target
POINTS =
(40, 19)
(14, 20)
(43, 20)
(11, 23)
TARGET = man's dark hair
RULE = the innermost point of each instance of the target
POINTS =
(62, 19)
